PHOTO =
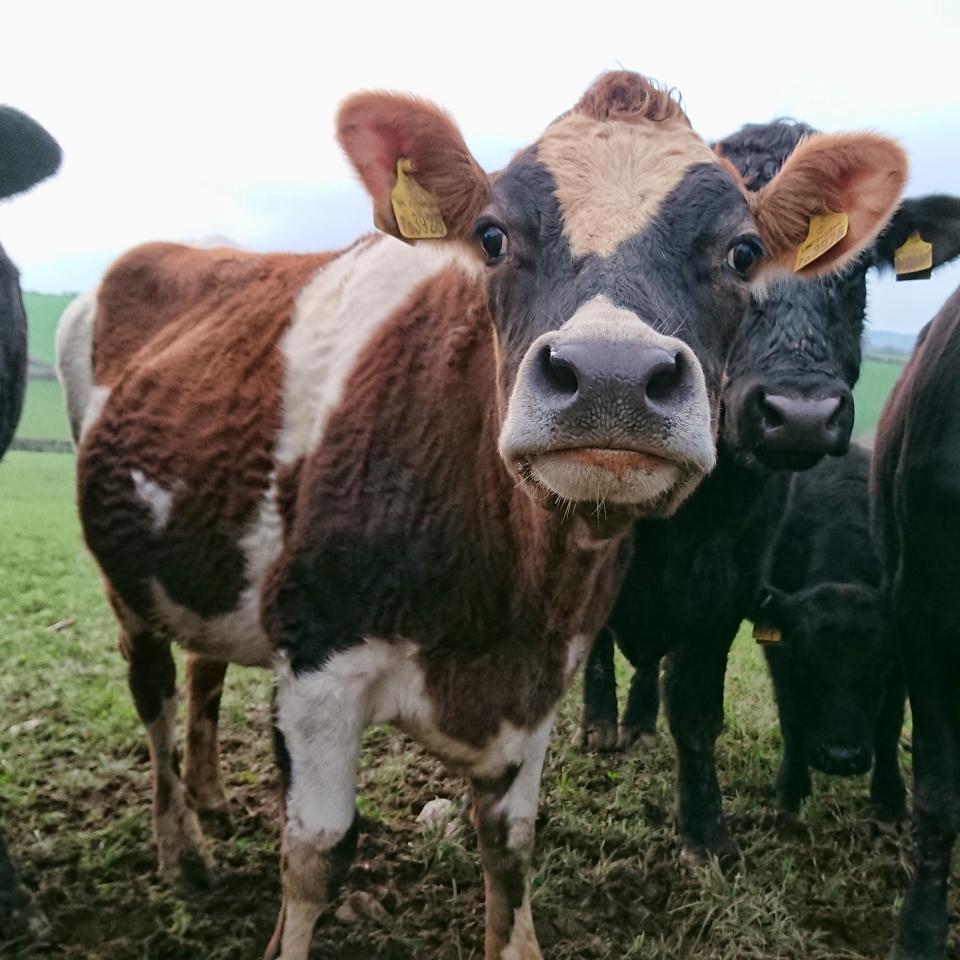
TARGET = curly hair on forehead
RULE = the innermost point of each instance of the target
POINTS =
(631, 98)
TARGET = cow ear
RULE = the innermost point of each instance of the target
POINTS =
(936, 218)
(861, 175)
(28, 154)
(391, 137)
(775, 608)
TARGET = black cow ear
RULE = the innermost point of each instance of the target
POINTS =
(774, 608)
(28, 154)
(935, 219)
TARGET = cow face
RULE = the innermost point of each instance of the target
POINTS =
(838, 656)
(787, 399)
(618, 252)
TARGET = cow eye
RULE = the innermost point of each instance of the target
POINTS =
(494, 242)
(743, 255)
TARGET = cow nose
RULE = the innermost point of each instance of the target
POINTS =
(842, 760)
(799, 425)
(583, 372)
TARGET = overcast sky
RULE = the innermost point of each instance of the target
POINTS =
(186, 121)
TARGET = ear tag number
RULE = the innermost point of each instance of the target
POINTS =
(913, 260)
(766, 636)
(417, 210)
(826, 231)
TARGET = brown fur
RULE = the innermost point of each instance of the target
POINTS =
(382, 127)
(422, 497)
(186, 338)
(630, 98)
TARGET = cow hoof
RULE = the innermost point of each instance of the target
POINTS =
(890, 812)
(719, 847)
(630, 737)
(194, 871)
(596, 736)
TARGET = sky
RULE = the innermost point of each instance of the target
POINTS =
(191, 121)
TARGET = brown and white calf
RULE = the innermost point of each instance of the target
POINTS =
(401, 473)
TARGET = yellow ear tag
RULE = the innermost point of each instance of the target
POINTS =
(915, 255)
(417, 210)
(826, 231)
(767, 636)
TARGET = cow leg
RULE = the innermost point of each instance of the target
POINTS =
(506, 815)
(887, 792)
(201, 768)
(922, 925)
(693, 695)
(639, 721)
(152, 677)
(18, 916)
(318, 727)
(598, 721)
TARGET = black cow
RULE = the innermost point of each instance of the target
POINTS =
(28, 154)
(916, 475)
(786, 403)
(839, 692)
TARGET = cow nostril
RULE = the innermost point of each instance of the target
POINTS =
(558, 373)
(772, 417)
(833, 421)
(665, 377)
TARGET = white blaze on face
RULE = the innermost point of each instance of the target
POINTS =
(612, 177)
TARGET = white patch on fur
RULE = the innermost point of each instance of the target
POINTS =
(523, 939)
(338, 313)
(74, 363)
(157, 498)
(576, 653)
(235, 637)
(323, 714)
(612, 177)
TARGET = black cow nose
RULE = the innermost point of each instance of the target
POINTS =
(799, 425)
(842, 760)
(587, 371)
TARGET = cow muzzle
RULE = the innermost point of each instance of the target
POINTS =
(606, 410)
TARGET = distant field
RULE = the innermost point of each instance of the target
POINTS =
(43, 312)
(877, 378)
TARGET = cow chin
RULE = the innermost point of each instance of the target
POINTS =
(648, 484)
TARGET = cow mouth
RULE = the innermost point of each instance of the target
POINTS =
(613, 475)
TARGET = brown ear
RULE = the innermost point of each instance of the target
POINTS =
(859, 174)
(376, 130)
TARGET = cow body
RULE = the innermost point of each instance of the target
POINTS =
(786, 403)
(403, 475)
(918, 522)
(28, 154)
(838, 687)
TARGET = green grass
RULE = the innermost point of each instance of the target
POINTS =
(877, 378)
(44, 415)
(609, 882)
(43, 313)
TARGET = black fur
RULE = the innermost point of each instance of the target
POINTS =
(696, 576)
(917, 519)
(839, 692)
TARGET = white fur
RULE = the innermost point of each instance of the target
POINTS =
(157, 498)
(74, 363)
(338, 313)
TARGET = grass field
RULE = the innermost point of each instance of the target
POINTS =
(609, 881)
(43, 312)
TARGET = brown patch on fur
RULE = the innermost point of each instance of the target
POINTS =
(861, 175)
(409, 526)
(377, 128)
(187, 339)
(630, 98)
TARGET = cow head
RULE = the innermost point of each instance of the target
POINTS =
(838, 656)
(787, 400)
(619, 253)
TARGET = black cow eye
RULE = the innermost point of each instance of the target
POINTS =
(494, 242)
(742, 256)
